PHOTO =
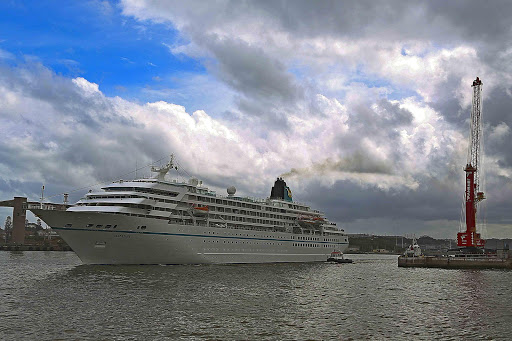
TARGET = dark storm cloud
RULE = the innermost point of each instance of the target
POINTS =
(380, 119)
(438, 20)
(496, 109)
(451, 110)
(380, 122)
(272, 116)
(488, 26)
(345, 201)
(259, 74)
(251, 71)
(263, 83)
(475, 20)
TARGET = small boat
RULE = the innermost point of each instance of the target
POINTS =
(338, 257)
(414, 250)
(308, 221)
(200, 210)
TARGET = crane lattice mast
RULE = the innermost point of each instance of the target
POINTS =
(470, 238)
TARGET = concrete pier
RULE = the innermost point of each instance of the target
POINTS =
(455, 262)
(19, 215)
(20, 205)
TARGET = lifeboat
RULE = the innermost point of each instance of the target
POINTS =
(200, 210)
(310, 221)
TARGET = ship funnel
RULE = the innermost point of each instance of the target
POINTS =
(281, 191)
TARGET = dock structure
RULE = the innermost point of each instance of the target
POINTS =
(19, 214)
(20, 205)
(455, 262)
(471, 252)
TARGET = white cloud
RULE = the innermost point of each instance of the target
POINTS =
(374, 98)
(6, 55)
(209, 146)
(499, 132)
(88, 88)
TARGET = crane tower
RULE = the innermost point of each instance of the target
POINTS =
(470, 238)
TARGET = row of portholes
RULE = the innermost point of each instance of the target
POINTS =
(241, 242)
(312, 245)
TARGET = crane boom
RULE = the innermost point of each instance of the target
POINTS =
(475, 129)
(470, 238)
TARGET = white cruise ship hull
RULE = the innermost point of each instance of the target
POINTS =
(140, 240)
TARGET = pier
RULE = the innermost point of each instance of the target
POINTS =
(20, 205)
(449, 262)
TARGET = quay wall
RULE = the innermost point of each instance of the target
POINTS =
(454, 262)
(16, 247)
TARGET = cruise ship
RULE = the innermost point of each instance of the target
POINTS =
(160, 221)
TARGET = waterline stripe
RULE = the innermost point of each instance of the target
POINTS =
(261, 254)
(199, 235)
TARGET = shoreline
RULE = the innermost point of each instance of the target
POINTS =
(34, 248)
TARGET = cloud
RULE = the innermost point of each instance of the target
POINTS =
(89, 89)
(253, 73)
(363, 106)
(6, 55)
(69, 134)
(265, 49)
(72, 65)
(499, 132)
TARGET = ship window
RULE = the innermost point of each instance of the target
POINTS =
(114, 226)
(89, 225)
(108, 226)
(98, 226)
(68, 225)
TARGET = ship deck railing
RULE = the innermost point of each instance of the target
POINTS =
(242, 227)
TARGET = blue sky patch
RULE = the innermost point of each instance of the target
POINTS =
(92, 39)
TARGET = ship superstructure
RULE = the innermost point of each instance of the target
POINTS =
(156, 221)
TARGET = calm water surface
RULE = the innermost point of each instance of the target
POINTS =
(51, 296)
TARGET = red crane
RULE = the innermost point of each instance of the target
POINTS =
(470, 238)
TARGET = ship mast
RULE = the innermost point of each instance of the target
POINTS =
(162, 171)
(473, 195)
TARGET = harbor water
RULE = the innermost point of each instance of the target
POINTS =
(52, 296)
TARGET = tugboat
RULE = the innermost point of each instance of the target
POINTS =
(338, 257)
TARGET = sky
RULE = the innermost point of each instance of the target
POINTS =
(361, 106)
